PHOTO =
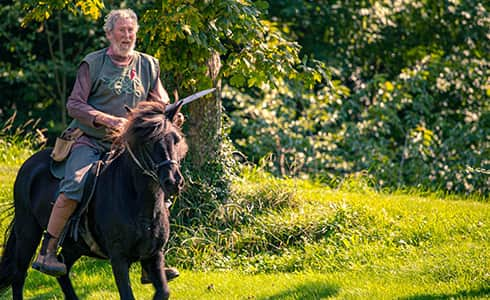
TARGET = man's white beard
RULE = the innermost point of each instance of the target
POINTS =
(119, 51)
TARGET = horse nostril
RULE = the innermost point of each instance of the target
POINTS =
(168, 182)
(174, 183)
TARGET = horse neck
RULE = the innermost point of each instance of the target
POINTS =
(145, 197)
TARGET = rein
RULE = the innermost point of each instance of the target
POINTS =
(154, 167)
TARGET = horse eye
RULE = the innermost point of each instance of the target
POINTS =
(176, 138)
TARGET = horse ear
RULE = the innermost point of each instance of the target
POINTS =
(178, 120)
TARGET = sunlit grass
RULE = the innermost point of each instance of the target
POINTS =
(237, 285)
(293, 239)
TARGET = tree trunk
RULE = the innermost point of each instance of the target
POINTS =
(204, 120)
(59, 71)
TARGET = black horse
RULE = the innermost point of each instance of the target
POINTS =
(127, 216)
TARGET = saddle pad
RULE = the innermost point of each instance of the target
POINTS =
(57, 169)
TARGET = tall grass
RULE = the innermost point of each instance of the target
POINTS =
(17, 143)
(293, 225)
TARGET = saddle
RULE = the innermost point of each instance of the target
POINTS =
(77, 225)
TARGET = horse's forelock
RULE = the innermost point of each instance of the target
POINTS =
(146, 123)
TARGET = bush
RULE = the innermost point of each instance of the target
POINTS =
(425, 128)
(409, 104)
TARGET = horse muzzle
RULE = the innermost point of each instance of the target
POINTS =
(173, 184)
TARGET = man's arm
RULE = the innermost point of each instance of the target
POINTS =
(158, 93)
(78, 107)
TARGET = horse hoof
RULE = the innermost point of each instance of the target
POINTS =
(170, 273)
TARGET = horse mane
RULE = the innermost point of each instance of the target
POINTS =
(147, 124)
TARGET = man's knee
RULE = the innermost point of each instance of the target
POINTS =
(63, 201)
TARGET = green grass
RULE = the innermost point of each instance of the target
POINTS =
(12, 154)
(94, 281)
(291, 239)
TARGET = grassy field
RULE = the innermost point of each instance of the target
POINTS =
(322, 243)
(94, 282)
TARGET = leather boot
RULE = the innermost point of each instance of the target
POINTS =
(170, 273)
(47, 262)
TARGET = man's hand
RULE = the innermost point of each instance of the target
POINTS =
(110, 122)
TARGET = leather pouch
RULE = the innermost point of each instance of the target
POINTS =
(63, 144)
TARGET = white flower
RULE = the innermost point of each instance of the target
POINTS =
(449, 185)
(442, 84)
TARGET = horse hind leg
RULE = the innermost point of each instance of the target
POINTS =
(26, 239)
(7, 261)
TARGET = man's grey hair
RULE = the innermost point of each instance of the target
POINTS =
(114, 15)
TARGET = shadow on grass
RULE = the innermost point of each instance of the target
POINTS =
(309, 290)
(482, 292)
(91, 278)
(41, 286)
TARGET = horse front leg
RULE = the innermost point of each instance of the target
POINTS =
(69, 257)
(156, 271)
(120, 269)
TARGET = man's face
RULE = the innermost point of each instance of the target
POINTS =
(123, 36)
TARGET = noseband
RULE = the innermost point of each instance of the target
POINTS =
(148, 166)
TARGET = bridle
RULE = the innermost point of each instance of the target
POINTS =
(148, 165)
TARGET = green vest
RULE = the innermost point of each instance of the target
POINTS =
(114, 87)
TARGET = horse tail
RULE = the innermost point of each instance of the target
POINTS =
(7, 261)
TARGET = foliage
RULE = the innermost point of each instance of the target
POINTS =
(183, 33)
(429, 127)
(363, 38)
(38, 62)
(409, 103)
(284, 126)
(206, 188)
(43, 10)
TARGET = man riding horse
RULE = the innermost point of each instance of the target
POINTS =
(107, 81)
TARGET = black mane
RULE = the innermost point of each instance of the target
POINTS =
(147, 124)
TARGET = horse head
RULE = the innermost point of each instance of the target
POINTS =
(154, 141)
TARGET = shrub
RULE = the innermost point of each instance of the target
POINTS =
(409, 104)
